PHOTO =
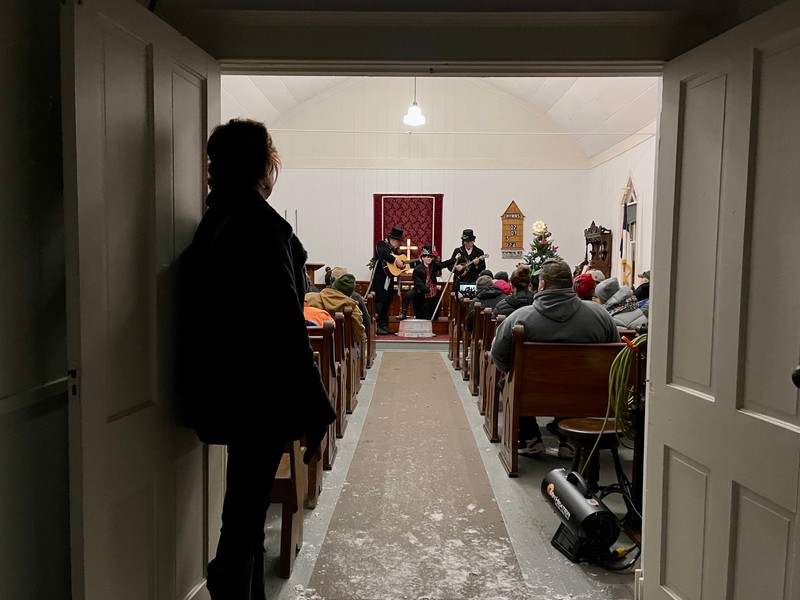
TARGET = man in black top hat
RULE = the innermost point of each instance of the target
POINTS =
(386, 252)
(472, 260)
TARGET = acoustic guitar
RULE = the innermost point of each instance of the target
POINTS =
(391, 269)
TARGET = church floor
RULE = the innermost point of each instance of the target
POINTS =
(529, 521)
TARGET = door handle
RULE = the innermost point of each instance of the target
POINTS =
(796, 376)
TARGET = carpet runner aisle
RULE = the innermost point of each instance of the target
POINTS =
(417, 517)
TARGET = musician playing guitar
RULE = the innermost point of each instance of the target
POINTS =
(386, 253)
(472, 260)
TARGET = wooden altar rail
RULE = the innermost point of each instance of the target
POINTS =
(574, 384)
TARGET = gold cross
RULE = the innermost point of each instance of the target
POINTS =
(408, 248)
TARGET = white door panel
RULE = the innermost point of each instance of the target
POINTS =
(138, 104)
(723, 443)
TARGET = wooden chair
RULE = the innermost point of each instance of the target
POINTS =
(288, 490)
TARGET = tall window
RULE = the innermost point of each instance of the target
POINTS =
(628, 234)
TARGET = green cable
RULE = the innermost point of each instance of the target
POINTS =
(620, 397)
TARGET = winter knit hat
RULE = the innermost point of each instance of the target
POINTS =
(606, 289)
(501, 275)
(345, 283)
(483, 281)
(337, 272)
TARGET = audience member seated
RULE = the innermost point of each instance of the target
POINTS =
(521, 296)
(642, 292)
(501, 282)
(362, 304)
(597, 274)
(316, 316)
(334, 299)
(488, 295)
(584, 285)
(556, 315)
(621, 304)
(310, 287)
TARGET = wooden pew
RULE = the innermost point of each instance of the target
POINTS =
(491, 391)
(353, 367)
(487, 335)
(447, 298)
(565, 380)
(342, 356)
(373, 330)
(322, 342)
(466, 339)
(452, 330)
(362, 354)
(288, 490)
(475, 348)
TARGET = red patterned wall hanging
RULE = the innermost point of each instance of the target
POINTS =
(420, 215)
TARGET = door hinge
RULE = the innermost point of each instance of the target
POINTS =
(638, 584)
(73, 382)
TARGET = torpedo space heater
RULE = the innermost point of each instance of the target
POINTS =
(588, 528)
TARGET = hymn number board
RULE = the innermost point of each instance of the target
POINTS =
(512, 219)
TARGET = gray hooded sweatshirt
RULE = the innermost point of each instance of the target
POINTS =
(555, 316)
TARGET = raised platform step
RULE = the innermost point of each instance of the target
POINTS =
(410, 345)
(415, 328)
(440, 326)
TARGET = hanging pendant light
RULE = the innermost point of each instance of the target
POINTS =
(414, 117)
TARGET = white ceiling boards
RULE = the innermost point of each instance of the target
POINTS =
(553, 122)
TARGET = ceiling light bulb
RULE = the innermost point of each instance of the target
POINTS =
(414, 116)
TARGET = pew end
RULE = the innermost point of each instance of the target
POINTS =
(288, 490)
(552, 379)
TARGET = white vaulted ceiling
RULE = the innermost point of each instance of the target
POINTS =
(596, 112)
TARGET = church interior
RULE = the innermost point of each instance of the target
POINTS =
(567, 151)
(512, 159)
(625, 136)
